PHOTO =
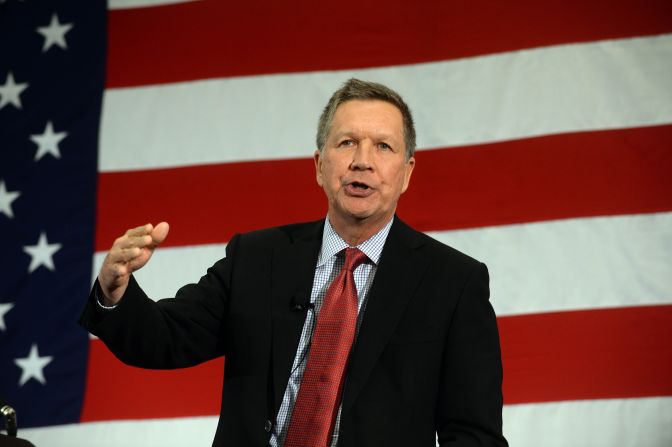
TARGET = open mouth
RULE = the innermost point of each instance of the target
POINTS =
(360, 186)
(358, 189)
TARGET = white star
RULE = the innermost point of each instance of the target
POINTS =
(54, 33)
(10, 91)
(4, 308)
(33, 366)
(6, 199)
(47, 143)
(42, 253)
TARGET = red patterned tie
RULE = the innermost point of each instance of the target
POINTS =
(319, 395)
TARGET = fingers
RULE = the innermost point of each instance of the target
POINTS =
(159, 233)
(129, 253)
(144, 235)
(132, 241)
(139, 231)
(135, 247)
(127, 248)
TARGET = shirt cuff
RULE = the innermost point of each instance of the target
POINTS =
(100, 302)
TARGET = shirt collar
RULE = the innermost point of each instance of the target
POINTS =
(332, 243)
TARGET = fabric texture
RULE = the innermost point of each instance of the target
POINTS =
(315, 410)
(329, 264)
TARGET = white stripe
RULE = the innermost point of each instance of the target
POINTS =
(601, 85)
(124, 4)
(591, 423)
(596, 423)
(198, 431)
(575, 263)
(537, 267)
(171, 268)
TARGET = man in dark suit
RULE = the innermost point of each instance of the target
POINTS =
(425, 361)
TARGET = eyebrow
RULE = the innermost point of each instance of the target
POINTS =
(350, 133)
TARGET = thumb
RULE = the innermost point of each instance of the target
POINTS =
(159, 233)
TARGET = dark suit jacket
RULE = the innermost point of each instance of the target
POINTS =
(426, 359)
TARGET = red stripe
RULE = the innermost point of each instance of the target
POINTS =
(551, 177)
(209, 39)
(118, 391)
(595, 354)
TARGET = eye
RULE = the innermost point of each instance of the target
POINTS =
(385, 146)
(346, 143)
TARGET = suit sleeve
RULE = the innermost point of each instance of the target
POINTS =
(170, 333)
(470, 396)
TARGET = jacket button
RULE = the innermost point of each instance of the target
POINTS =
(268, 426)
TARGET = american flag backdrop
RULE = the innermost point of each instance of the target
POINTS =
(545, 151)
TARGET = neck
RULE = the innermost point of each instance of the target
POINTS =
(355, 231)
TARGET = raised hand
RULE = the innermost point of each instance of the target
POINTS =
(129, 253)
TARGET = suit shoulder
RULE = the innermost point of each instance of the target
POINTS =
(438, 249)
(285, 234)
(437, 252)
(445, 262)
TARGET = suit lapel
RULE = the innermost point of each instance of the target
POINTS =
(292, 280)
(399, 271)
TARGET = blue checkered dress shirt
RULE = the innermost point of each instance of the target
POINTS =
(329, 264)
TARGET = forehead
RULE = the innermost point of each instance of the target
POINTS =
(370, 116)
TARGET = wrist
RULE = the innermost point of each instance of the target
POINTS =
(102, 298)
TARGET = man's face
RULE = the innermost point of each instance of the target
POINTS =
(363, 168)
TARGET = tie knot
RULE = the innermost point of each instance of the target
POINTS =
(353, 258)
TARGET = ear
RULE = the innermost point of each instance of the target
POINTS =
(317, 156)
(408, 170)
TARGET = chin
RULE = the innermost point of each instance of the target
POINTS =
(363, 215)
(354, 214)
(360, 212)
(360, 217)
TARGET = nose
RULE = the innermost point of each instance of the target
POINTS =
(362, 156)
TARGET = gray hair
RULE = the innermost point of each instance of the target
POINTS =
(365, 90)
